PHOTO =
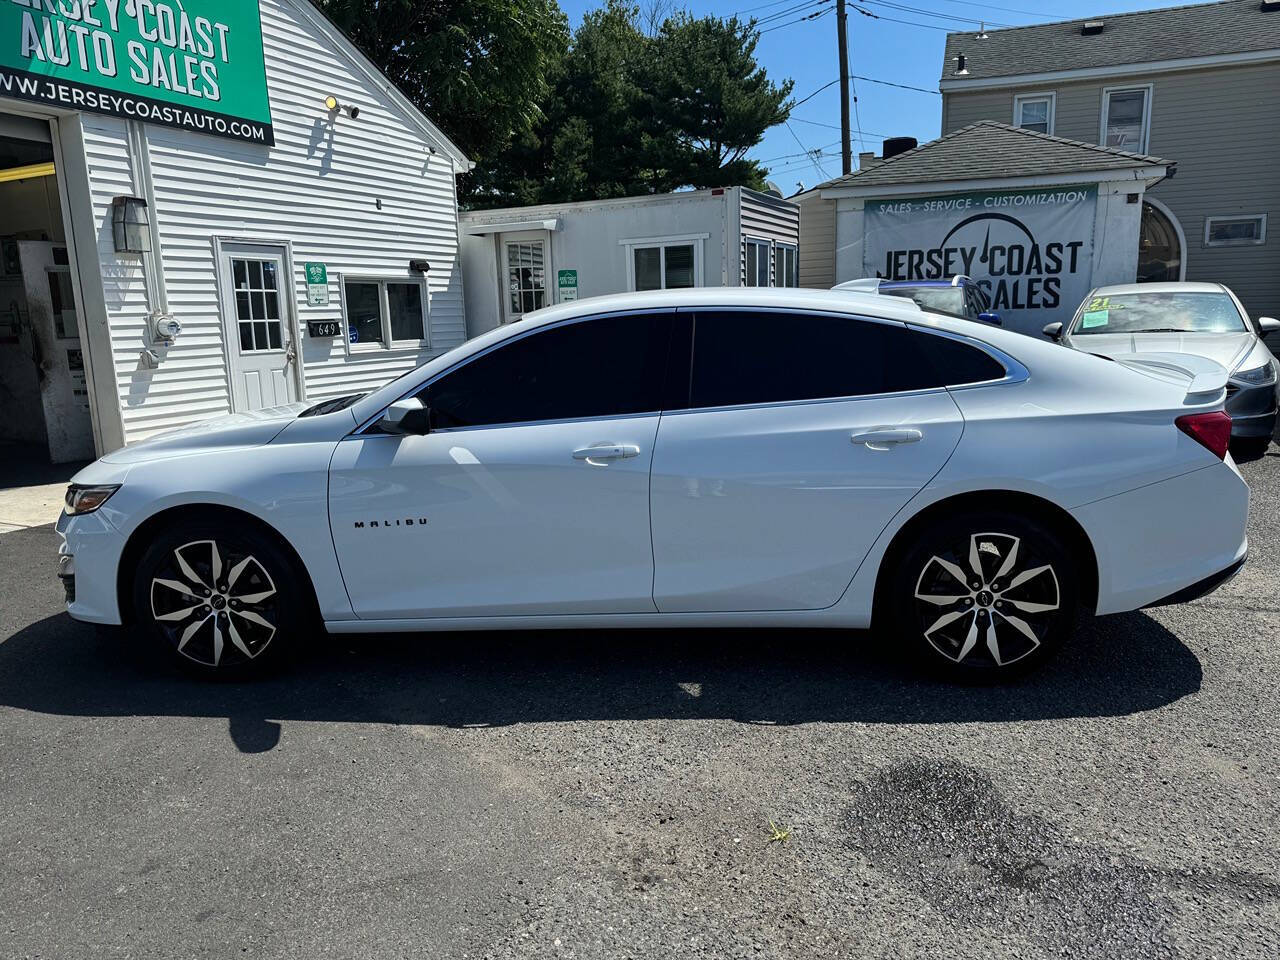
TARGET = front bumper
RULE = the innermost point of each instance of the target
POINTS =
(1253, 411)
(88, 561)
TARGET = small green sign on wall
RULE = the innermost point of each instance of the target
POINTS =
(317, 285)
(567, 282)
(193, 64)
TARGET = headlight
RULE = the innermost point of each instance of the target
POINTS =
(82, 500)
(1257, 376)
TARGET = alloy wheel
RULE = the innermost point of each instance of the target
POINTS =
(215, 604)
(990, 601)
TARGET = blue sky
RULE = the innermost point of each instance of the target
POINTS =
(878, 48)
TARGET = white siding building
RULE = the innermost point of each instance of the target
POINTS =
(313, 166)
(521, 258)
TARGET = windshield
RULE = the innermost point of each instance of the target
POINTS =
(941, 299)
(1160, 313)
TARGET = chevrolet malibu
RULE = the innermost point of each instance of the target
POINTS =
(728, 458)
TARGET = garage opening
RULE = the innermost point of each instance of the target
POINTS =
(44, 399)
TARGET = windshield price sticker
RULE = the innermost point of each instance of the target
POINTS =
(1095, 318)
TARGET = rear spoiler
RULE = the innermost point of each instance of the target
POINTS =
(1205, 380)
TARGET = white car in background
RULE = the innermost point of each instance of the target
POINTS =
(711, 457)
(1205, 319)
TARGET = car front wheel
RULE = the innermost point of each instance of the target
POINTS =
(220, 597)
(987, 595)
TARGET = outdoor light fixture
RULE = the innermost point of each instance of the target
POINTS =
(130, 225)
(419, 266)
(332, 105)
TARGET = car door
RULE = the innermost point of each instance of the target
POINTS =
(530, 493)
(803, 435)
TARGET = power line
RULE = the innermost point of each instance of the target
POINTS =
(792, 156)
(934, 13)
(807, 4)
(763, 6)
(813, 16)
(910, 23)
(836, 126)
(815, 93)
(812, 156)
(992, 6)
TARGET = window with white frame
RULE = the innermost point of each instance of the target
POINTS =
(1243, 231)
(674, 264)
(787, 261)
(1034, 111)
(384, 311)
(1126, 118)
(757, 256)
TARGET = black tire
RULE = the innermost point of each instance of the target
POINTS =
(245, 609)
(1033, 615)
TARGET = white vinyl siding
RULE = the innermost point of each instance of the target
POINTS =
(362, 196)
(767, 219)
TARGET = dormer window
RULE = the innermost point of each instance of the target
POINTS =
(1034, 111)
(1126, 118)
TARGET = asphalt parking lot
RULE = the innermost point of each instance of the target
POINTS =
(603, 795)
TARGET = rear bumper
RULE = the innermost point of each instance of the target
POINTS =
(1165, 538)
(1202, 588)
(1253, 412)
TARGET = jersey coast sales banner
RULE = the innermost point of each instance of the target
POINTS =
(1031, 251)
(192, 64)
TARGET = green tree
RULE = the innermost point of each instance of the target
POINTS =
(479, 69)
(710, 102)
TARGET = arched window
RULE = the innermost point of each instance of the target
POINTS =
(1159, 247)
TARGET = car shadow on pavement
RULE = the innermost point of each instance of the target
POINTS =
(1113, 666)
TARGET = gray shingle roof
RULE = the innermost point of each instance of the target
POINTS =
(1170, 33)
(988, 149)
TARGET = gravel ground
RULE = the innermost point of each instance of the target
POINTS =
(611, 794)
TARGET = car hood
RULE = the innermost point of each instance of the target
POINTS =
(251, 429)
(1227, 349)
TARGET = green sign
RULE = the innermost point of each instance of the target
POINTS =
(567, 281)
(317, 284)
(193, 64)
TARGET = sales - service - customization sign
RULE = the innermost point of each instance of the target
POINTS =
(193, 64)
(1032, 251)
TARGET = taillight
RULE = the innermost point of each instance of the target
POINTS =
(1211, 430)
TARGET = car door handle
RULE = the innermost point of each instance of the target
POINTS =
(884, 439)
(599, 454)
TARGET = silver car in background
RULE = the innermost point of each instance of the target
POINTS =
(1205, 319)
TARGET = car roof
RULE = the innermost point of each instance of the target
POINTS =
(788, 298)
(1170, 286)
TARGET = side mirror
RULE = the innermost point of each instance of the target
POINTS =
(406, 417)
(991, 318)
(1268, 324)
(1053, 331)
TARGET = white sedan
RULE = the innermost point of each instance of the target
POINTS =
(710, 457)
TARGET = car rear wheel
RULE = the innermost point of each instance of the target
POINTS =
(985, 595)
(223, 599)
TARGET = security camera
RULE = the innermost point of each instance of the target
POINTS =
(353, 112)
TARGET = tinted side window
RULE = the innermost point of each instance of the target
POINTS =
(610, 366)
(953, 363)
(767, 357)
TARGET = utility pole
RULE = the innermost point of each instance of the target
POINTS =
(842, 43)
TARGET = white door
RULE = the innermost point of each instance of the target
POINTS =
(530, 494)
(526, 272)
(257, 322)
(804, 435)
